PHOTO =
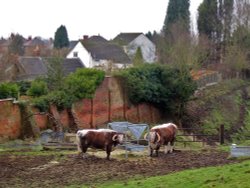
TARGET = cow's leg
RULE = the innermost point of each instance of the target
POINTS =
(157, 151)
(151, 151)
(166, 148)
(108, 151)
(172, 146)
(84, 147)
(169, 147)
(79, 144)
(84, 150)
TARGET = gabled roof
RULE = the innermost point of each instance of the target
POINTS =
(70, 65)
(125, 38)
(72, 44)
(101, 49)
(31, 68)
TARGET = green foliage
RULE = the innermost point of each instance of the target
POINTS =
(42, 103)
(241, 37)
(83, 83)
(226, 9)
(213, 122)
(61, 38)
(233, 175)
(61, 99)
(138, 59)
(8, 90)
(78, 85)
(16, 46)
(177, 11)
(160, 85)
(23, 86)
(208, 22)
(38, 88)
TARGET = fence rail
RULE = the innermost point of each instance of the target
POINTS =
(200, 137)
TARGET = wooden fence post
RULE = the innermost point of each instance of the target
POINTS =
(221, 134)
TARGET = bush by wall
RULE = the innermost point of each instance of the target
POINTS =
(8, 90)
(166, 87)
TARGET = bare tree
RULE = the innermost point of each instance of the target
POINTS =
(8, 66)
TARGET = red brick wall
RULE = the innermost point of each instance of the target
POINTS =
(41, 120)
(10, 120)
(109, 104)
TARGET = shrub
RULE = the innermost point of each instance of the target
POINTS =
(61, 99)
(23, 86)
(83, 83)
(38, 88)
(42, 103)
(78, 85)
(8, 90)
(166, 87)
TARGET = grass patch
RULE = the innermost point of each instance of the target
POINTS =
(234, 175)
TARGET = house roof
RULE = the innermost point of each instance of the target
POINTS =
(31, 67)
(101, 49)
(34, 42)
(71, 65)
(2, 41)
(72, 44)
(5, 42)
(125, 38)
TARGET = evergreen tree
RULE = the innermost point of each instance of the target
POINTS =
(138, 59)
(177, 12)
(226, 8)
(208, 22)
(61, 38)
(16, 46)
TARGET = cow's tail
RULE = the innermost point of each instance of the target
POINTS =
(78, 142)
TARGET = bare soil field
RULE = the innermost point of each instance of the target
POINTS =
(70, 169)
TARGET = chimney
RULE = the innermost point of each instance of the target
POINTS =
(85, 37)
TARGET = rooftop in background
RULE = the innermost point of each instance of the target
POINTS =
(70, 65)
(100, 49)
(31, 68)
(125, 38)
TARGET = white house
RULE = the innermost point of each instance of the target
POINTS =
(78, 51)
(100, 53)
(132, 41)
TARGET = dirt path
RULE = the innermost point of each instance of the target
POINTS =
(59, 171)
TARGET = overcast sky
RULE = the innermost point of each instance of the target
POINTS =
(83, 17)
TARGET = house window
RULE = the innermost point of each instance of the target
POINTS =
(75, 54)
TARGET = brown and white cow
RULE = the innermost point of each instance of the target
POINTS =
(162, 135)
(99, 139)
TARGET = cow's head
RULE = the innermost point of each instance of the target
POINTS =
(118, 137)
(153, 138)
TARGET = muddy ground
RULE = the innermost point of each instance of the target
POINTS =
(63, 170)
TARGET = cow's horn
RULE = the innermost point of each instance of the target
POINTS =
(145, 136)
(158, 136)
(114, 138)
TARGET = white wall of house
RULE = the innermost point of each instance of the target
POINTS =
(82, 54)
(148, 48)
(87, 59)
